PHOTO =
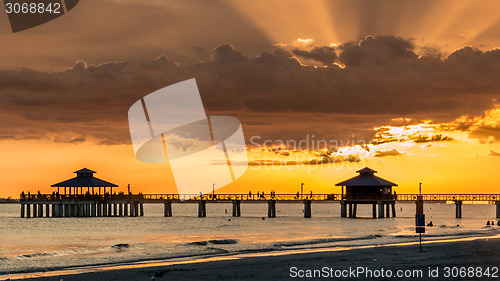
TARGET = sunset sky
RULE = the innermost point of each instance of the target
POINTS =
(408, 88)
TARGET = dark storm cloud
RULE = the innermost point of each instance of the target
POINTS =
(325, 54)
(383, 77)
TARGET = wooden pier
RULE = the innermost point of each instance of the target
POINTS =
(119, 205)
(82, 197)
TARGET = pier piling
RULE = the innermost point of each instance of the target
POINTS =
(374, 210)
(40, 210)
(47, 210)
(307, 208)
(381, 210)
(132, 212)
(271, 208)
(236, 208)
(167, 208)
(498, 209)
(458, 204)
(343, 209)
(28, 210)
(136, 208)
(22, 210)
(125, 209)
(350, 210)
(393, 210)
(141, 209)
(354, 210)
(387, 213)
(202, 208)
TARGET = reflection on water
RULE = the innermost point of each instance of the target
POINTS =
(46, 243)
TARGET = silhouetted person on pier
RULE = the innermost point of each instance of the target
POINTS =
(249, 193)
(29, 195)
(22, 195)
(39, 195)
(298, 196)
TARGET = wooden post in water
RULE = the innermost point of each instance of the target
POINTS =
(458, 212)
(55, 210)
(115, 210)
(343, 209)
(350, 210)
(53, 207)
(136, 208)
(22, 210)
(387, 213)
(132, 212)
(47, 210)
(354, 210)
(141, 209)
(125, 209)
(271, 208)
(374, 210)
(380, 210)
(236, 208)
(393, 209)
(28, 210)
(498, 209)
(35, 212)
(40, 210)
(110, 210)
(307, 208)
(75, 210)
(202, 208)
(167, 208)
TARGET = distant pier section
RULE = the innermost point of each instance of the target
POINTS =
(88, 196)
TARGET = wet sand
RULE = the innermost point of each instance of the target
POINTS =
(474, 253)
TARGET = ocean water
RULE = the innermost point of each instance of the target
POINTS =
(42, 244)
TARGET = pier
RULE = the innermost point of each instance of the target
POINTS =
(87, 196)
(133, 204)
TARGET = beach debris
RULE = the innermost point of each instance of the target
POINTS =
(263, 218)
(487, 223)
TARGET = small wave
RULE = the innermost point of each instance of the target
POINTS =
(324, 240)
(36, 255)
(215, 242)
(121, 247)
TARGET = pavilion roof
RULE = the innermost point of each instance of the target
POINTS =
(85, 178)
(366, 177)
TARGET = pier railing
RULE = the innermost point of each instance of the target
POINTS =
(258, 197)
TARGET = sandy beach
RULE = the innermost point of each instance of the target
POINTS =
(369, 263)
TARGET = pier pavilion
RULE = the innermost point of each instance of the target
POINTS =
(84, 179)
(82, 197)
(366, 188)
